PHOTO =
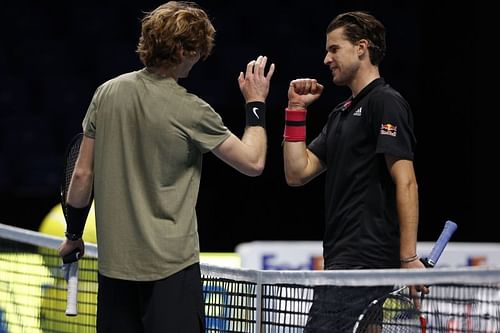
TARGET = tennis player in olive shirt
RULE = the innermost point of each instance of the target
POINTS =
(141, 155)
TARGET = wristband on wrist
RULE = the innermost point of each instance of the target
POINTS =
(75, 221)
(295, 125)
(255, 114)
(72, 237)
(409, 259)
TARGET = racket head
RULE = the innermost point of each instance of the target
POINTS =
(70, 158)
(393, 312)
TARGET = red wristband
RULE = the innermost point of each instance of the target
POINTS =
(295, 125)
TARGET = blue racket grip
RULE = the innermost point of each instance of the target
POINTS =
(438, 248)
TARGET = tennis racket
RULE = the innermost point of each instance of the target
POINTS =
(70, 261)
(449, 228)
(396, 312)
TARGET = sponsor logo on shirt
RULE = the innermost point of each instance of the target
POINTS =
(358, 113)
(388, 129)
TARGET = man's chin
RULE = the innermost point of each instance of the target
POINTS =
(337, 81)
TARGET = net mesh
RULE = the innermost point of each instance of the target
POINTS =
(33, 295)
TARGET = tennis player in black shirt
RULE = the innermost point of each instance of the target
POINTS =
(366, 149)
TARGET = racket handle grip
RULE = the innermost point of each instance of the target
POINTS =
(72, 289)
(71, 257)
(449, 228)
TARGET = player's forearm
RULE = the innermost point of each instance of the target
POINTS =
(407, 203)
(255, 142)
(80, 189)
(296, 162)
(78, 203)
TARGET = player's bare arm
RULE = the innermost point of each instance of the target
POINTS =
(248, 154)
(301, 165)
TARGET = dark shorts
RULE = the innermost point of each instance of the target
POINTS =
(336, 308)
(173, 304)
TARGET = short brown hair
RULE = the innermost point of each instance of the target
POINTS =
(170, 27)
(362, 25)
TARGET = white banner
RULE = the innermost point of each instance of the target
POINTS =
(307, 255)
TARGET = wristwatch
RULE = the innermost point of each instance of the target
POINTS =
(72, 237)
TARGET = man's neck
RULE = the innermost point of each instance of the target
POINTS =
(365, 77)
(163, 72)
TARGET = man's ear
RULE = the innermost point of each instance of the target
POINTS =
(181, 53)
(362, 46)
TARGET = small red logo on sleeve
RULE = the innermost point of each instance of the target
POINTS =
(388, 129)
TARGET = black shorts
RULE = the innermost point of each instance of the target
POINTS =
(336, 308)
(173, 304)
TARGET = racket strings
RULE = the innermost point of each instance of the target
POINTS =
(394, 313)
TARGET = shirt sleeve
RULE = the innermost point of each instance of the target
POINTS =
(393, 127)
(210, 131)
(89, 122)
(318, 145)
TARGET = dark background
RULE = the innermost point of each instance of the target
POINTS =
(54, 54)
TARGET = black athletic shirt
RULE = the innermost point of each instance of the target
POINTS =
(362, 228)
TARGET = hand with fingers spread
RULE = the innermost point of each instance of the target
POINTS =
(254, 83)
(248, 154)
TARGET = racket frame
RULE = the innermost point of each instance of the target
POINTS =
(70, 261)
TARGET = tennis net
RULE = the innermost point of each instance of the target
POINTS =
(33, 295)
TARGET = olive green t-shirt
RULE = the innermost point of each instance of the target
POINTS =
(150, 135)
